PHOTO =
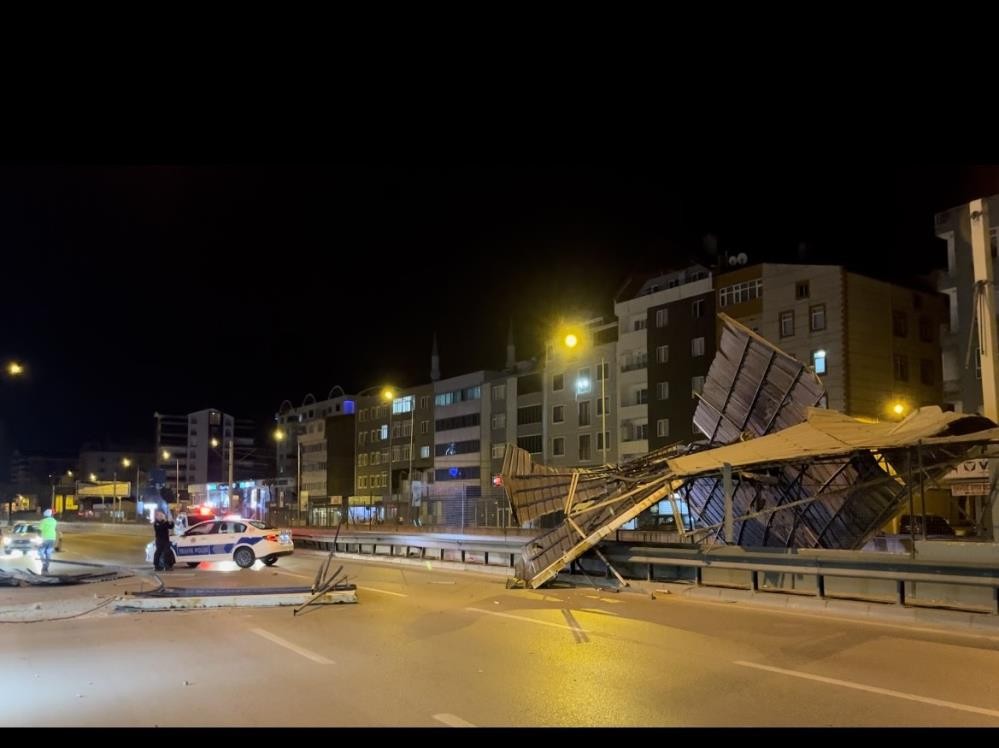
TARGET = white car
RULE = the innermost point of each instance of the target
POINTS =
(26, 537)
(237, 539)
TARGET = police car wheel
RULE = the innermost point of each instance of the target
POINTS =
(191, 564)
(270, 560)
(243, 557)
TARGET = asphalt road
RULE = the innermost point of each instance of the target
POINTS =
(426, 647)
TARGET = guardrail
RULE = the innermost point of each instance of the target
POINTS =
(829, 574)
(468, 549)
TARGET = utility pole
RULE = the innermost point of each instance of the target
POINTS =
(231, 463)
(985, 312)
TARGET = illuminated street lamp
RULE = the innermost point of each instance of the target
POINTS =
(15, 369)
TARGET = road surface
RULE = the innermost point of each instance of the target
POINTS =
(433, 648)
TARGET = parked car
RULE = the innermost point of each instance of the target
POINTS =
(26, 537)
(240, 540)
(936, 526)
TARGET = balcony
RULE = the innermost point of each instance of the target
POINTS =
(634, 365)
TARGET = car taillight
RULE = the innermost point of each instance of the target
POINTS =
(272, 538)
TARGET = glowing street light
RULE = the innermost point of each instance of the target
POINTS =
(15, 369)
(898, 409)
(214, 442)
(279, 435)
(388, 394)
(571, 340)
(93, 478)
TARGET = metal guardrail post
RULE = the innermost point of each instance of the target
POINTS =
(995, 601)
(755, 580)
(698, 575)
(900, 591)
(820, 586)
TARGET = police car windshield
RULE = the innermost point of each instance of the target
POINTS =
(260, 525)
(24, 529)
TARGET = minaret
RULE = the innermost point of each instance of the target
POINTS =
(511, 351)
(435, 362)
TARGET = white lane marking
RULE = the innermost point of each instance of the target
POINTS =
(293, 647)
(452, 721)
(873, 689)
(599, 612)
(384, 592)
(525, 618)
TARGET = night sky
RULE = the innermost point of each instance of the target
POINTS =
(129, 289)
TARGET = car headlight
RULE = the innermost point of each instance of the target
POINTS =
(6, 540)
(36, 541)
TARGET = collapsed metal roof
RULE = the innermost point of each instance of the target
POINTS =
(802, 477)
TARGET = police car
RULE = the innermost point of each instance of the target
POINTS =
(230, 539)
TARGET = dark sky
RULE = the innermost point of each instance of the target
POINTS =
(133, 289)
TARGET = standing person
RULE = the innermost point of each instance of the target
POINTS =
(163, 558)
(47, 527)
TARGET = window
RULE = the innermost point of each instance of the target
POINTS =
(662, 427)
(407, 452)
(457, 422)
(499, 392)
(396, 453)
(498, 421)
(583, 384)
(786, 320)
(376, 458)
(603, 371)
(642, 431)
(424, 452)
(603, 441)
(901, 365)
(584, 447)
(740, 292)
(817, 318)
(696, 385)
(447, 449)
(926, 371)
(662, 390)
(498, 450)
(362, 437)
(662, 354)
(697, 309)
(899, 324)
(458, 396)
(362, 460)
(533, 443)
(424, 402)
(529, 414)
(662, 317)
(424, 427)
(558, 446)
(603, 405)
(403, 404)
(374, 435)
(642, 396)
(819, 361)
(362, 481)
(558, 414)
(801, 290)
(638, 324)
(384, 431)
(584, 412)
(697, 347)
(925, 330)
(558, 382)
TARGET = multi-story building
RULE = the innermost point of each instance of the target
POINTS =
(171, 449)
(104, 462)
(876, 345)
(462, 440)
(681, 346)
(202, 451)
(580, 381)
(962, 375)
(30, 470)
(642, 329)
(394, 445)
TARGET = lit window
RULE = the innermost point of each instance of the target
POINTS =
(819, 361)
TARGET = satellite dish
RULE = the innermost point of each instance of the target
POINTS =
(742, 258)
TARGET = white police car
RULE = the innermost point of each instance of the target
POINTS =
(27, 538)
(230, 539)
